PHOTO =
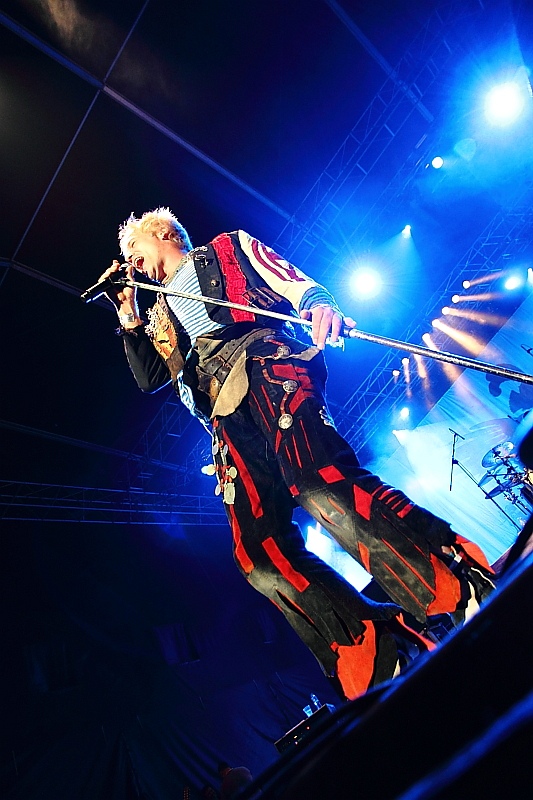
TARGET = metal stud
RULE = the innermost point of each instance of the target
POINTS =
(232, 472)
(290, 386)
(283, 351)
(285, 421)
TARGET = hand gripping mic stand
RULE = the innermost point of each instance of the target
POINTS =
(349, 333)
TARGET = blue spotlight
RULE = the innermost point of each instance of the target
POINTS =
(437, 162)
(366, 282)
(504, 103)
(406, 233)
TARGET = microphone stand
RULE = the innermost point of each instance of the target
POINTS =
(349, 333)
(454, 460)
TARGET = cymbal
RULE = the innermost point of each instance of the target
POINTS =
(502, 487)
(497, 454)
(494, 472)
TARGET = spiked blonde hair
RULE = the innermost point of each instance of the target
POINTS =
(160, 220)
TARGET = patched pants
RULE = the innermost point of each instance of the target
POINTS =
(280, 448)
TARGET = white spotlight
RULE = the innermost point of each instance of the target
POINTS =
(404, 413)
(406, 233)
(504, 104)
(366, 283)
(513, 282)
(437, 162)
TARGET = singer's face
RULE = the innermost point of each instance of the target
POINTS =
(148, 254)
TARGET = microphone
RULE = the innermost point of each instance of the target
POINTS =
(100, 288)
(457, 434)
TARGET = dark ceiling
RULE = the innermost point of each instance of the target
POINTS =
(229, 113)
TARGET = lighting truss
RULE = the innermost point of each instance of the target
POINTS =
(53, 503)
(360, 417)
(373, 133)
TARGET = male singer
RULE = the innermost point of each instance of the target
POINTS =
(261, 390)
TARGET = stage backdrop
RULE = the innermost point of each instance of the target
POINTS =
(486, 411)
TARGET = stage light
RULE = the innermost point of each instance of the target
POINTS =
(513, 282)
(466, 340)
(437, 162)
(456, 298)
(421, 368)
(404, 413)
(406, 370)
(395, 373)
(366, 283)
(466, 284)
(406, 232)
(428, 341)
(504, 104)
(481, 317)
(487, 278)
(401, 435)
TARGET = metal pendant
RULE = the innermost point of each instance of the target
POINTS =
(283, 351)
(229, 494)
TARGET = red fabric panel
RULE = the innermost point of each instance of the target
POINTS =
(296, 453)
(404, 512)
(362, 502)
(241, 555)
(474, 551)
(249, 485)
(295, 578)
(268, 401)
(447, 589)
(235, 278)
(256, 402)
(306, 440)
(365, 555)
(331, 474)
(409, 566)
(405, 586)
(355, 666)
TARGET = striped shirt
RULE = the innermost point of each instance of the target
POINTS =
(191, 313)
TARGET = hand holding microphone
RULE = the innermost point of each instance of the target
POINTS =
(122, 297)
(109, 283)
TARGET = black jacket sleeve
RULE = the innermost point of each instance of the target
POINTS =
(148, 367)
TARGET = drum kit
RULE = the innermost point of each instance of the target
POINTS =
(513, 481)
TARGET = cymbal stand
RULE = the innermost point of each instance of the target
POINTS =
(454, 460)
(469, 475)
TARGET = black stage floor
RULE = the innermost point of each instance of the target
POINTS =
(458, 725)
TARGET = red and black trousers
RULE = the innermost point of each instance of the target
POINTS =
(280, 448)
